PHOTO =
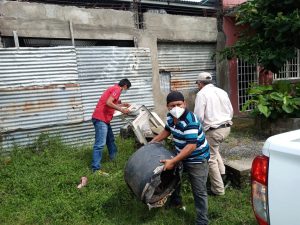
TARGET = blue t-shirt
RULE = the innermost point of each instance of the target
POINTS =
(188, 130)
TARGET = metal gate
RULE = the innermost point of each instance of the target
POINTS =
(291, 69)
(247, 74)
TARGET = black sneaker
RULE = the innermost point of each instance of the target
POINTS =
(224, 177)
(210, 193)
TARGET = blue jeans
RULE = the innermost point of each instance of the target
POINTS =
(197, 173)
(103, 135)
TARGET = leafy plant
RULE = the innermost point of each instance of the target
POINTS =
(280, 100)
(270, 32)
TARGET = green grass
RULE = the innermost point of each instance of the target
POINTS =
(38, 186)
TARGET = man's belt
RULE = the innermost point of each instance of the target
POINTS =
(221, 126)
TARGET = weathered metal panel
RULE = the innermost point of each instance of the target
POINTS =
(165, 81)
(185, 62)
(183, 80)
(36, 42)
(41, 90)
(38, 88)
(101, 67)
(186, 57)
(72, 134)
(25, 67)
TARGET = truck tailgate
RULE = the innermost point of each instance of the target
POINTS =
(284, 178)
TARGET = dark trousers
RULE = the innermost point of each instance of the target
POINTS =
(197, 174)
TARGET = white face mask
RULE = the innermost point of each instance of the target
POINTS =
(177, 111)
(124, 91)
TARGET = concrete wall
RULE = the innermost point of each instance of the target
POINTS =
(222, 65)
(53, 21)
(181, 28)
(231, 32)
(164, 27)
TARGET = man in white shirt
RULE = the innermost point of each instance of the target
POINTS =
(213, 107)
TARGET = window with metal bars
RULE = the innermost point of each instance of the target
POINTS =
(247, 74)
(291, 70)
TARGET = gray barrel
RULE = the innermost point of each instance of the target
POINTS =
(144, 175)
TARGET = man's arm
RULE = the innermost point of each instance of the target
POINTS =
(110, 103)
(184, 153)
(123, 104)
(161, 136)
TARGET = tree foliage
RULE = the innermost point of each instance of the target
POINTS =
(271, 32)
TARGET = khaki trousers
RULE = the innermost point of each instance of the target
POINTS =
(216, 165)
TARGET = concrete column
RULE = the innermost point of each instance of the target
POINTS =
(222, 65)
(1, 44)
(148, 40)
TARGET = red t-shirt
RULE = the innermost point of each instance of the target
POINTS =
(102, 111)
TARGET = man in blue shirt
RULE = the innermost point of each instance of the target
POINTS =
(192, 150)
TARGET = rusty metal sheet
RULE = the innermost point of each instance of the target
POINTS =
(184, 62)
(37, 66)
(41, 90)
(101, 67)
(38, 87)
(75, 134)
(186, 80)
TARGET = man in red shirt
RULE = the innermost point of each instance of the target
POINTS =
(103, 114)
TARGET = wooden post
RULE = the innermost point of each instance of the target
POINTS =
(72, 34)
(1, 44)
(16, 39)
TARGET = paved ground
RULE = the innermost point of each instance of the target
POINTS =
(240, 148)
(243, 142)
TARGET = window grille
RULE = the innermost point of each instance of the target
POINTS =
(247, 74)
(291, 70)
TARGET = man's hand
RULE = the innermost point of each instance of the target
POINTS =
(125, 110)
(152, 142)
(126, 105)
(161, 136)
(169, 164)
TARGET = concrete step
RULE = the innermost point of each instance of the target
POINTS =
(238, 171)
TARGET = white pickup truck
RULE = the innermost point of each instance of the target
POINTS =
(275, 178)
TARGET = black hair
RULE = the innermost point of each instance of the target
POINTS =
(174, 96)
(124, 82)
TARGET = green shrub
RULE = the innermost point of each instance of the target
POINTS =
(279, 100)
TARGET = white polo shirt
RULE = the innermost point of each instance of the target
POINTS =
(213, 107)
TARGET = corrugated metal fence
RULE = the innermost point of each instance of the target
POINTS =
(184, 62)
(55, 89)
